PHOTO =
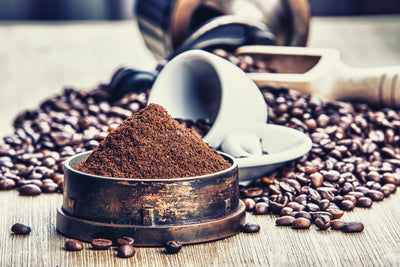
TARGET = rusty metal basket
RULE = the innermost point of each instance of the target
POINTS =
(152, 211)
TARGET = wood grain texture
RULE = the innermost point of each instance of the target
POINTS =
(38, 60)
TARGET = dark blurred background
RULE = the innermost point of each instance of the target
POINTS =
(123, 9)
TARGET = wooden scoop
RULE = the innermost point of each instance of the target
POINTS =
(322, 73)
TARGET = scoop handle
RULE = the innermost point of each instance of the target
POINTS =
(376, 86)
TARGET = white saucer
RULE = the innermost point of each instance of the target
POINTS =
(282, 144)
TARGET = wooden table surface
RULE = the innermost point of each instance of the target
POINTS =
(38, 60)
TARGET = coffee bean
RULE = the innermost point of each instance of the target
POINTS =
(275, 207)
(375, 195)
(303, 214)
(30, 190)
(312, 207)
(336, 213)
(388, 189)
(249, 203)
(324, 204)
(317, 214)
(7, 184)
(101, 243)
(301, 223)
(317, 179)
(49, 187)
(261, 208)
(125, 240)
(73, 245)
(322, 222)
(253, 192)
(20, 229)
(390, 178)
(337, 224)
(285, 211)
(173, 246)
(251, 228)
(353, 227)
(285, 221)
(364, 202)
(126, 251)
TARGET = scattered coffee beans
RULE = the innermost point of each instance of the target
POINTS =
(101, 243)
(125, 240)
(126, 251)
(21, 229)
(73, 245)
(173, 246)
(251, 228)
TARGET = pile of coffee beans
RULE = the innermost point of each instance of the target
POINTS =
(354, 161)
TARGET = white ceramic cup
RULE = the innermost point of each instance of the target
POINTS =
(200, 85)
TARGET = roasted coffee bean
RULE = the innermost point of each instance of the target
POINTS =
(390, 178)
(296, 206)
(173, 246)
(275, 207)
(301, 223)
(249, 203)
(375, 195)
(301, 199)
(101, 243)
(73, 245)
(373, 176)
(285, 211)
(317, 179)
(388, 189)
(125, 240)
(322, 222)
(253, 192)
(251, 228)
(324, 204)
(353, 227)
(126, 251)
(303, 214)
(312, 207)
(336, 213)
(317, 214)
(261, 208)
(337, 224)
(364, 202)
(350, 198)
(20, 229)
(7, 184)
(50, 187)
(30, 190)
(285, 221)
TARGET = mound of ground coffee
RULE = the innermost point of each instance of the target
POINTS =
(152, 145)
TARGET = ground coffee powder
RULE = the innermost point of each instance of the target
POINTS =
(152, 145)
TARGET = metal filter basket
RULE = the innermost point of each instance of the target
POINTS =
(152, 211)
